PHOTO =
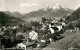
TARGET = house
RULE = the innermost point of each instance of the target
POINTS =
(3, 28)
(55, 26)
(33, 35)
(52, 30)
(21, 45)
(63, 23)
(26, 45)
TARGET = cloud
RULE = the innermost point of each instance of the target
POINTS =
(27, 4)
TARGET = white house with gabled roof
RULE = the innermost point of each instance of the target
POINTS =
(33, 35)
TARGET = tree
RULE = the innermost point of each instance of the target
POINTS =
(43, 20)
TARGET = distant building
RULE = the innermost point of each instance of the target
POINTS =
(55, 26)
(33, 35)
(21, 45)
(54, 21)
(52, 30)
(63, 23)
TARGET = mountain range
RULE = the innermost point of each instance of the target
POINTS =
(57, 11)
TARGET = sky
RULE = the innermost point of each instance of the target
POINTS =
(26, 6)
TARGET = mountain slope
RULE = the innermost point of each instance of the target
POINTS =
(6, 19)
(70, 42)
(50, 12)
(75, 16)
(14, 14)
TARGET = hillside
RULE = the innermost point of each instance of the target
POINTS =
(6, 19)
(75, 16)
(70, 42)
(14, 14)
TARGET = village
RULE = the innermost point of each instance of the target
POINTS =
(39, 24)
(37, 35)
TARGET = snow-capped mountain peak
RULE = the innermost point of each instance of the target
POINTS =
(58, 6)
